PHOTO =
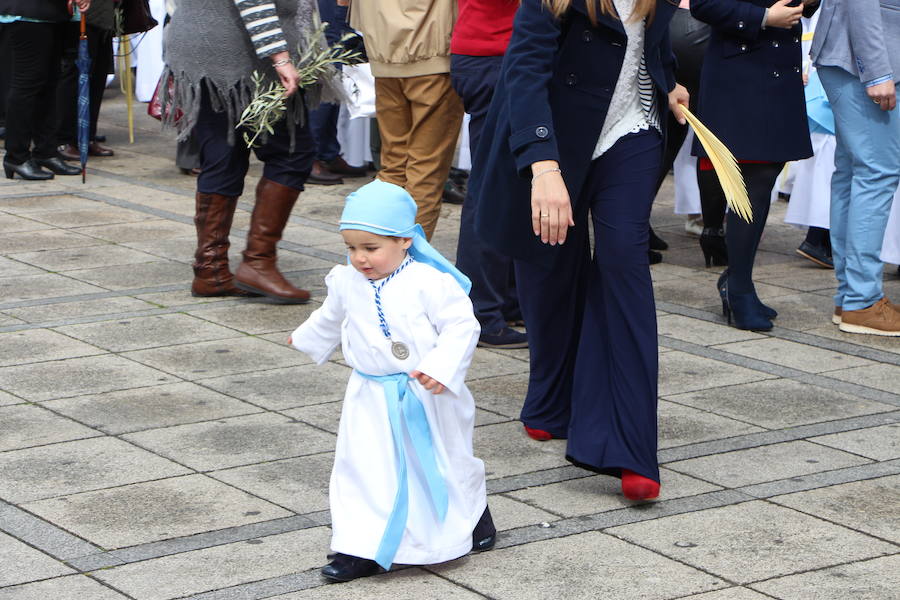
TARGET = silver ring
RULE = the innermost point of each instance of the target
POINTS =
(545, 215)
(877, 101)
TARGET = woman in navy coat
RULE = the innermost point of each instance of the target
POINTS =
(751, 97)
(573, 138)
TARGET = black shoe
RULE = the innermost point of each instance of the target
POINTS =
(320, 175)
(656, 242)
(347, 568)
(817, 254)
(58, 166)
(339, 166)
(505, 338)
(769, 312)
(100, 138)
(27, 170)
(453, 193)
(484, 536)
(654, 257)
(712, 242)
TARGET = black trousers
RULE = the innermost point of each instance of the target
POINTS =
(35, 51)
(100, 49)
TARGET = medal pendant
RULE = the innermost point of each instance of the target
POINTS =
(400, 350)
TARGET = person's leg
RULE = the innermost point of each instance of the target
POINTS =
(284, 174)
(436, 117)
(45, 116)
(712, 202)
(473, 78)
(323, 127)
(100, 45)
(613, 426)
(394, 124)
(67, 91)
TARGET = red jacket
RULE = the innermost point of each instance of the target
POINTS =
(483, 27)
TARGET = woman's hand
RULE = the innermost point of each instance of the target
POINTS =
(287, 73)
(884, 95)
(677, 97)
(551, 210)
(429, 383)
(783, 16)
(82, 5)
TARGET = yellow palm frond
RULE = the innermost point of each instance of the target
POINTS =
(725, 165)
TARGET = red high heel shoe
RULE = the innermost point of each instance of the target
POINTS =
(538, 434)
(638, 487)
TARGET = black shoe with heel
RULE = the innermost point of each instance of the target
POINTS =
(344, 567)
(656, 242)
(769, 312)
(58, 166)
(712, 242)
(744, 312)
(29, 170)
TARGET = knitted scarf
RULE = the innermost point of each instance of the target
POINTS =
(207, 46)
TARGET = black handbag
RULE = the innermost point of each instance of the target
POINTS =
(136, 16)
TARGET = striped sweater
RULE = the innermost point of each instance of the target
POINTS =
(261, 22)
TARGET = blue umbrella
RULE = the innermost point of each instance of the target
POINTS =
(84, 99)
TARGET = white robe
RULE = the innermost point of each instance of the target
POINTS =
(429, 312)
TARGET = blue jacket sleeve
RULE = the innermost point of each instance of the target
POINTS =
(868, 41)
(669, 61)
(742, 19)
(527, 74)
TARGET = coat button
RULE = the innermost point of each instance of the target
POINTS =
(571, 79)
(587, 35)
(743, 47)
(775, 43)
(776, 74)
(796, 69)
(740, 25)
(542, 132)
(796, 40)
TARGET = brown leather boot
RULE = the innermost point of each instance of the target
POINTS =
(257, 272)
(212, 216)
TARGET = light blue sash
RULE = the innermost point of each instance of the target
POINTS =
(405, 411)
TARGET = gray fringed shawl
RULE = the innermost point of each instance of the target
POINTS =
(207, 45)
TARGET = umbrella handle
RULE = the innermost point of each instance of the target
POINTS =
(83, 35)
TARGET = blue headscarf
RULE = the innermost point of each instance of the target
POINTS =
(386, 209)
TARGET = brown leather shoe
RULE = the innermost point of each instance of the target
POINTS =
(68, 152)
(95, 149)
(213, 215)
(258, 272)
(320, 175)
(879, 319)
(340, 166)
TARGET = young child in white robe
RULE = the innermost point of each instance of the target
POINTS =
(405, 487)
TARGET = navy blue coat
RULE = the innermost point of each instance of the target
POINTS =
(550, 102)
(751, 86)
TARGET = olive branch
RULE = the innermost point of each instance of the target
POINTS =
(269, 103)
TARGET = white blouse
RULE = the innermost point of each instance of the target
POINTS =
(633, 106)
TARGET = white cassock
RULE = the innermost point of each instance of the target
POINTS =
(429, 312)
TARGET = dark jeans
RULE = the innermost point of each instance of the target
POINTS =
(5, 72)
(224, 166)
(323, 126)
(35, 50)
(493, 297)
(100, 50)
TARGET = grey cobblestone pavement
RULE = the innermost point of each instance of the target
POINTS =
(157, 446)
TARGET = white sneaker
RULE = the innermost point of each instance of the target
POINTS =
(693, 225)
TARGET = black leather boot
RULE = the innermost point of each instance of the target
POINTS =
(347, 568)
(29, 170)
(58, 166)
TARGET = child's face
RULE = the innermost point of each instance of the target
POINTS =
(375, 256)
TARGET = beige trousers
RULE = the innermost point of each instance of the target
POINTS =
(419, 120)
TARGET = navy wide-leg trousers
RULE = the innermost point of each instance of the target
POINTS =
(592, 322)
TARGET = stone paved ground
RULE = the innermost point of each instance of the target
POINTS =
(155, 446)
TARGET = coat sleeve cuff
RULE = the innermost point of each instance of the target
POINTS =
(532, 144)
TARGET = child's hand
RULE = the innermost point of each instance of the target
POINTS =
(432, 385)
(290, 340)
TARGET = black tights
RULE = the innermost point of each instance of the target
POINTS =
(741, 238)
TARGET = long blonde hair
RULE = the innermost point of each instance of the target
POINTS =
(642, 9)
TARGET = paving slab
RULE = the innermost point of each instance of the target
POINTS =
(156, 510)
(235, 441)
(257, 318)
(150, 230)
(765, 463)
(681, 425)
(217, 358)
(881, 377)
(291, 387)
(42, 202)
(490, 364)
(503, 395)
(72, 586)
(20, 563)
(511, 513)
(408, 584)
(796, 356)
(12, 266)
(681, 372)
(733, 593)
(180, 296)
(752, 541)
(325, 416)
(8, 399)
(14, 224)
(876, 579)
(77, 376)
(829, 330)
(780, 403)
(506, 450)
(78, 466)
(298, 484)
(701, 332)
(27, 425)
(601, 493)
(878, 443)
(122, 335)
(38, 345)
(869, 506)
(6, 321)
(61, 311)
(221, 566)
(128, 277)
(153, 407)
(101, 215)
(83, 257)
(48, 285)
(588, 565)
